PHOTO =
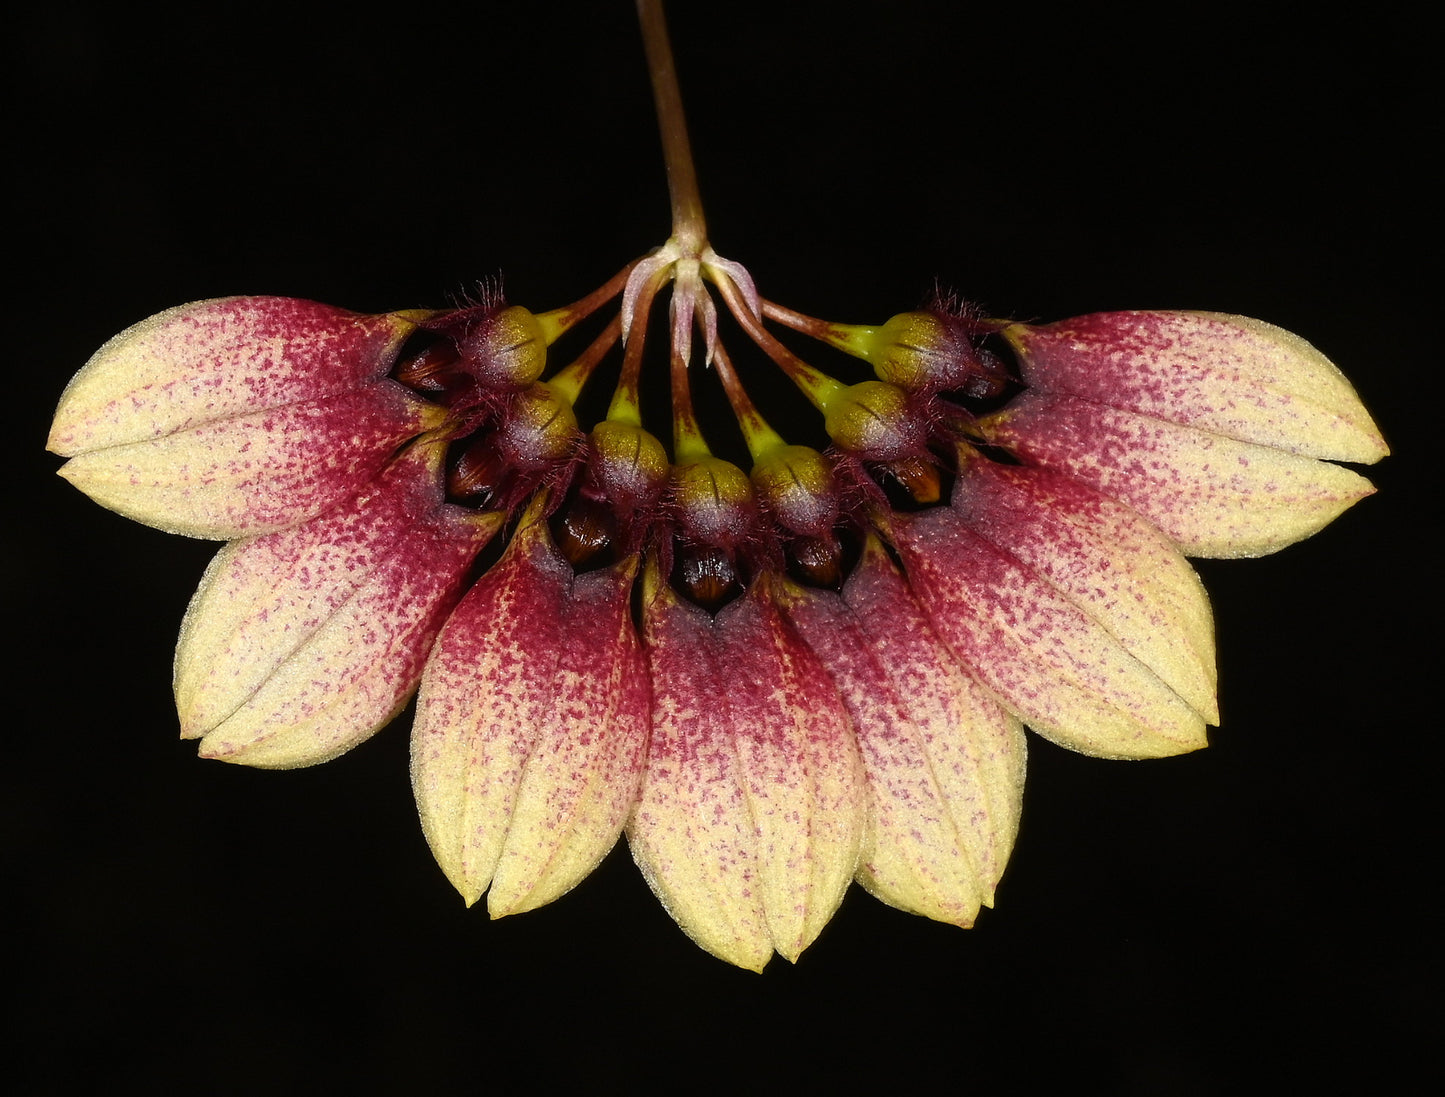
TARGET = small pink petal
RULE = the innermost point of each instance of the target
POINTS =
(1050, 662)
(1228, 375)
(751, 809)
(944, 762)
(303, 643)
(1212, 495)
(1106, 559)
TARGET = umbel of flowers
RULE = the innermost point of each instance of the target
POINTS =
(774, 675)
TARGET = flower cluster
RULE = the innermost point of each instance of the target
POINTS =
(774, 680)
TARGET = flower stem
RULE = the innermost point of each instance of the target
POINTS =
(688, 444)
(822, 330)
(816, 385)
(688, 227)
(757, 434)
(569, 381)
(556, 322)
(626, 406)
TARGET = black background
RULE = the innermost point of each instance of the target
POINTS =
(1256, 911)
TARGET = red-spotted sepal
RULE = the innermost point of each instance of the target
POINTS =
(751, 811)
(944, 761)
(1072, 608)
(1219, 429)
(239, 416)
(531, 726)
(301, 644)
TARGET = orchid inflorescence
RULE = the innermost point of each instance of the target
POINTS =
(776, 679)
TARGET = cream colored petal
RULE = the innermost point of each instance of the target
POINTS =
(301, 644)
(944, 762)
(1228, 375)
(1213, 496)
(692, 834)
(800, 767)
(263, 599)
(581, 780)
(1106, 559)
(215, 360)
(255, 473)
(485, 698)
(976, 749)
(1059, 669)
(751, 811)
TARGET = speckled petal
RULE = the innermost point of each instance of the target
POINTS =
(1058, 668)
(1110, 562)
(237, 416)
(692, 834)
(1213, 496)
(257, 473)
(531, 727)
(1208, 425)
(212, 360)
(303, 643)
(582, 779)
(1228, 375)
(484, 699)
(751, 810)
(944, 762)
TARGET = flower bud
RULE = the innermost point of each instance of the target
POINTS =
(714, 501)
(795, 483)
(539, 429)
(874, 420)
(629, 465)
(931, 352)
(500, 348)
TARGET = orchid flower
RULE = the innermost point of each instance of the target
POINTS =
(802, 658)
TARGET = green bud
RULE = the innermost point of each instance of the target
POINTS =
(539, 428)
(629, 465)
(714, 501)
(506, 349)
(795, 483)
(874, 420)
(930, 352)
